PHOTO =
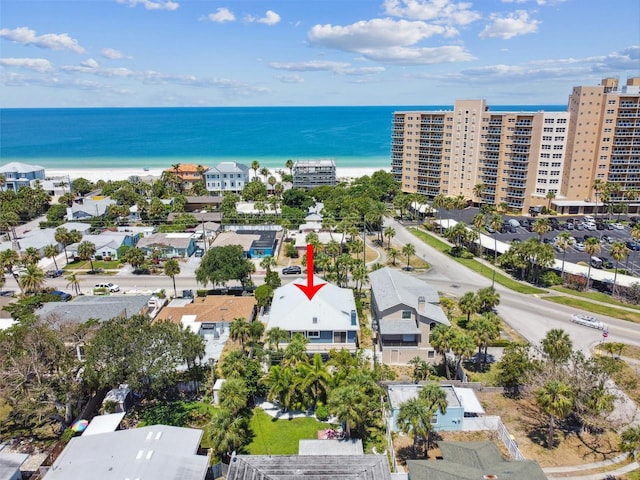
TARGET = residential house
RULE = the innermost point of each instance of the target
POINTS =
(211, 318)
(170, 245)
(255, 243)
(203, 204)
(90, 207)
(154, 452)
(461, 403)
(17, 175)
(227, 177)
(404, 310)
(308, 174)
(188, 173)
(84, 308)
(473, 461)
(107, 243)
(329, 320)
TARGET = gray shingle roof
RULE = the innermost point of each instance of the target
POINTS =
(471, 461)
(83, 308)
(309, 467)
(405, 326)
(157, 452)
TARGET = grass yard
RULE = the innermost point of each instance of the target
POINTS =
(280, 437)
(597, 296)
(594, 307)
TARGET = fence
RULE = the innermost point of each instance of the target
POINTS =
(509, 442)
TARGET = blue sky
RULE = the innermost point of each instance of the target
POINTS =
(310, 52)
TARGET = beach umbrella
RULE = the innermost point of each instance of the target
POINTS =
(79, 425)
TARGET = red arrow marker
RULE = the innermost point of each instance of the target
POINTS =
(310, 289)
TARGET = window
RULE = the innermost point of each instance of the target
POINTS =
(313, 334)
(406, 314)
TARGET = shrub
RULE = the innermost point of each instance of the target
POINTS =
(201, 293)
(321, 413)
(550, 279)
(290, 250)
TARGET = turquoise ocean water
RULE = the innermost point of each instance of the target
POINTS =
(80, 138)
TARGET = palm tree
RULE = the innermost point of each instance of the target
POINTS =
(349, 404)
(86, 251)
(630, 440)
(591, 247)
(228, 433)
(414, 418)
(73, 282)
(275, 336)
(171, 269)
(240, 331)
(478, 223)
(598, 186)
(441, 338)
(51, 251)
(556, 400)
(485, 329)
(264, 171)
(563, 241)
(389, 232)
(469, 304)
(478, 191)
(462, 346)
(408, 250)
(234, 395)
(315, 378)
(31, 256)
(617, 251)
(33, 279)
(255, 166)
(495, 222)
(550, 196)
(280, 385)
(541, 226)
(393, 253)
(289, 165)
(557, 346)
(421, 369)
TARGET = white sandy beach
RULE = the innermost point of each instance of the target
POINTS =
(95, 174)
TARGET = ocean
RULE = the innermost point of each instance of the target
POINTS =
(80, 138)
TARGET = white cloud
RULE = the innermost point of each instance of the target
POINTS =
(51, 41)
(36, 64)
(152, 5)
(89, 63)
(111, 53)
(270, 18)
(342, 68)
(290, 78)
(221, 15)
(420, 56)
(438, 11)
(515, 23)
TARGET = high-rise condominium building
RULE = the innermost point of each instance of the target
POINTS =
(518, 160)
(309, 174)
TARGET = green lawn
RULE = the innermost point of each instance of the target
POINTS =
(594, 307)
(280, 437)
(600, 297)
(476, 266)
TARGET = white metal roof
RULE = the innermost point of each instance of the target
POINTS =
(104, 424)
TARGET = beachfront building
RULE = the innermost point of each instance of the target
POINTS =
(523, 159)
(329, 320)
(227, 177)
(308, 174)
(188, 173)
(16, 175)
(404, 311)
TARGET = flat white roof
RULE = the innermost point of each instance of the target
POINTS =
(469, 401)
(104, 424)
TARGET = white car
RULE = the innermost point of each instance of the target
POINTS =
(579, 247)
(109, 286)
(588, 321)
(618, 226)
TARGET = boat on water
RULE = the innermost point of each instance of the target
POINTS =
(588, 321)
(146, 169)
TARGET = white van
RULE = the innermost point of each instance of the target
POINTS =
(596, 262)
(111, 287)
(513, 222)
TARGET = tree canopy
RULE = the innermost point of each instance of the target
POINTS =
(221, 264)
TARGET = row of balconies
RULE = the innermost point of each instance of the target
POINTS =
(627, 133)
(622, 143)
(522, 141)
(631, 151)
(524, 123)
(627, 123)
(519, 149)
(629, 104)
(626, 160)
(628, 114)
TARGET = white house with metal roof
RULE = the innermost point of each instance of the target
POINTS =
(404, 311)
(329, 320)
(227, 177)
(158, 452)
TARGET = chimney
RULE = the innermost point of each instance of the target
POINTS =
(421, 301)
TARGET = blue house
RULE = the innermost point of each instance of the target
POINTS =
(329, 320)
(18, 175)
(254, 243)
(461, 402)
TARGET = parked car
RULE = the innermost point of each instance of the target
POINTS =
(606, 262)
(579, 246)
(631, 245)
(64, 296)
(54, 273)
(568, 225)
(489, 229)
(111, 287)
(607, 238)
(293, 270)
(198, 253)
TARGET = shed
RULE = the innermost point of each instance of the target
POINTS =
(122, 397)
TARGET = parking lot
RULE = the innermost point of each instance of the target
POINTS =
(615, 230)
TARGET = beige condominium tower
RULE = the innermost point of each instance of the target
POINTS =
(522, 159)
